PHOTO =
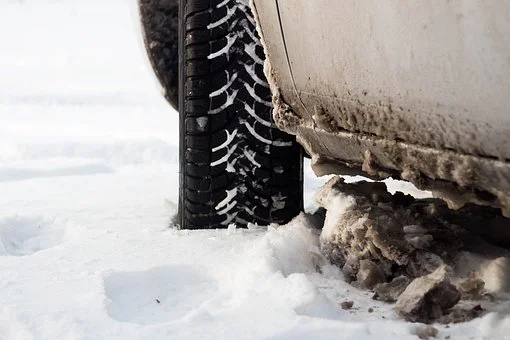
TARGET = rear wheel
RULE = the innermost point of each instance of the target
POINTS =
(236, 165)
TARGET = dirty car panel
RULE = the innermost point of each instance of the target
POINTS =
(415, 90)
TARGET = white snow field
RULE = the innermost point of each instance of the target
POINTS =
(88, 185)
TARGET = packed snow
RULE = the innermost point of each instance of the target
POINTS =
(88, 189)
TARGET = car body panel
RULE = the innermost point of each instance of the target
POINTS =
(418, 90)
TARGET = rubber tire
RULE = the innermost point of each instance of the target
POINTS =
(160, 29)
(236, 165)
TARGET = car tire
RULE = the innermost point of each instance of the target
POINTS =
(236, 166)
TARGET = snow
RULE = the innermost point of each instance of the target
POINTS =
(88, 188)
(22, 235)
(337, 207)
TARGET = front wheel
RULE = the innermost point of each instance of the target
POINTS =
(236, 166)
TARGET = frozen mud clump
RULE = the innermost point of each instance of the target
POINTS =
(375, 236)
(400, 247)
(390, 291)
(428, 298)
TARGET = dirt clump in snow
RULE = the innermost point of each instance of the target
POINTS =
(390, 291)
(415, 252)
(428, 297)
(347, 304)
(472, 288)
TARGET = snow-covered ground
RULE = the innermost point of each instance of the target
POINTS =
(88, 185)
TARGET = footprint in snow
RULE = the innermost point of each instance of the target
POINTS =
(23, 235)
(157, 295)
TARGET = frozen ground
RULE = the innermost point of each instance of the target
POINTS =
(88, 185)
